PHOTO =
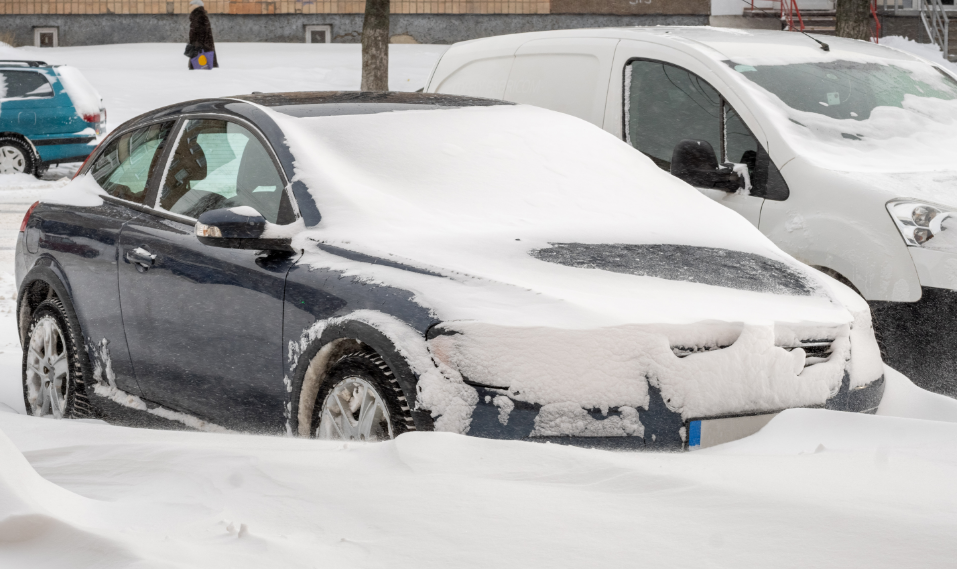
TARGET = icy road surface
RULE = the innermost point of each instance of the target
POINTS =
(814, 488)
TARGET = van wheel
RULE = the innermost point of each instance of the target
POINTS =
(360, 401)
(15, 157)
(52, 377)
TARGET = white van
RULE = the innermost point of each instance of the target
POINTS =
(843, 152)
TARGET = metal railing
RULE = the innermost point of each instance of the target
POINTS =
(936, 23)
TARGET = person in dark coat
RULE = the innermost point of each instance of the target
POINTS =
(200, 31)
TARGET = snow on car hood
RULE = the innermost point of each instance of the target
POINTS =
(471, 193)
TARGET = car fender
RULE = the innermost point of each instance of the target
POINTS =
(46, 269)
(833, 221)
(401, 347)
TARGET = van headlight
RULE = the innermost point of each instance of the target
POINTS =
(924, 224)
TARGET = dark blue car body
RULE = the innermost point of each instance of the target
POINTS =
(220, 333)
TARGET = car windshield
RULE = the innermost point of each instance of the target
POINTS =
(847, 89)
(706, 265)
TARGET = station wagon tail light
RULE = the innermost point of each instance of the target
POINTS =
(26, 217)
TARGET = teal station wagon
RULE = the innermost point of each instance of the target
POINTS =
(48, 115)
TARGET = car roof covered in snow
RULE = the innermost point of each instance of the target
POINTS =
(315, 104)
(332, 103)
(726, 43)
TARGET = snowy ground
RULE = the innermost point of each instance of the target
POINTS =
(813, 488)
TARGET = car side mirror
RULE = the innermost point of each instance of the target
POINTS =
(695, 162)
(238, 228)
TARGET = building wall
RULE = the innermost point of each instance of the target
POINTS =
(260, 7)
(92, 22)
(80, 30)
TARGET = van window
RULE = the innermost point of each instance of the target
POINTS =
(23, 85)
(665, 104)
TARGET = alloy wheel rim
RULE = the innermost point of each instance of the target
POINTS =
(12, 160)
(48, 371)
(354, 411)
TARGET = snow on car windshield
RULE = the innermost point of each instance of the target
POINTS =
(867, 114)
(707, 265)
(848, 89)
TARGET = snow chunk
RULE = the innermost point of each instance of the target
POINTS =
(569, 419)
(84, 96)
(82, 191)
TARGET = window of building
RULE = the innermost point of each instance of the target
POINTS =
(319, 34)
(46, 37)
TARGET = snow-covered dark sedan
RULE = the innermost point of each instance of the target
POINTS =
(356, 266)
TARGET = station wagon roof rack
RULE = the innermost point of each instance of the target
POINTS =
(23, 62)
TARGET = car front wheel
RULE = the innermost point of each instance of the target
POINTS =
(50, 370)
(360, 401)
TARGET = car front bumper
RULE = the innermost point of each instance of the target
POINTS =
(664, 430)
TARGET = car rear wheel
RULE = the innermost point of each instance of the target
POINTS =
(360, 401)
(50, 370)
(15, 157)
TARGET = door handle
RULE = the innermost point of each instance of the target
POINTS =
(141, 258)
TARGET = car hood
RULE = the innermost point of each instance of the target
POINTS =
(939, 187)
(456, 206)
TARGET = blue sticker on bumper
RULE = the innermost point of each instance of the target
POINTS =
(694, 434)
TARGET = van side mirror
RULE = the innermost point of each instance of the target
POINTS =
(237, 228)
(695, 162)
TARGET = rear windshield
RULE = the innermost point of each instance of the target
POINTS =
(705, 265)
(847, 89)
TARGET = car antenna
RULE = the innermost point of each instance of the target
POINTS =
(824, 46)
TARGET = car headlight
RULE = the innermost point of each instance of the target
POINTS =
(921, 222)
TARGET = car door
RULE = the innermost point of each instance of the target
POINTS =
(84, 242)
(665, 104)
(204, 323)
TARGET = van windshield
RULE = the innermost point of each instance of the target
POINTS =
(846, 89)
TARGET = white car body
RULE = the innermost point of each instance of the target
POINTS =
(836, 217)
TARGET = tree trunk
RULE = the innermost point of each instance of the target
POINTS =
(854, 19)
(375, 46)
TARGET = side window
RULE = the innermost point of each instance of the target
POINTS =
(125, 165)
(24, 85)
(740, 145)
(665, 105)
(220, 164)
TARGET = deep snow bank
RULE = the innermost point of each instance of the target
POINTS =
(815, 488)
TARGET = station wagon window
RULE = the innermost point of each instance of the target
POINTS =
(24, 85)
(125, 165)
(666, 104)
(220, 164)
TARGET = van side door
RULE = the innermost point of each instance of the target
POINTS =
(568, 75)
(662, 101)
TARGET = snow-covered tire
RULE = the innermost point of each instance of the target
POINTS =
(16, 157)
(53, 380)
(361, 377)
